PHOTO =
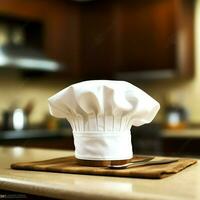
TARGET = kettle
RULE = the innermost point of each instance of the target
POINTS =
(15, 119)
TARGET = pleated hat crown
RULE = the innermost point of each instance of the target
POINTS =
(101, 113)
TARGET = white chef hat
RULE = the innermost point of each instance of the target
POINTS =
(101, 113)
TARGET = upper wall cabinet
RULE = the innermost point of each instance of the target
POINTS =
(123, 39)
(137, 39)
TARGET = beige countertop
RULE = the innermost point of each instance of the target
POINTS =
(182, 133)
(182, 186)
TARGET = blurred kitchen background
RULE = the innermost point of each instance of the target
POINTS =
(47, 45)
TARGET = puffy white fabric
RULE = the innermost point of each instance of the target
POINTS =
(101, 113)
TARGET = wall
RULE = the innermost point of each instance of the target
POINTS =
(15, 90)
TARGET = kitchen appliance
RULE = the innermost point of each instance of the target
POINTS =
(21, 45)
(15, 120)
(176, 117)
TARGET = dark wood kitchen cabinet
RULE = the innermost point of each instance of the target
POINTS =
(123, 39)
(38, 138)
(97, 39)
(137, 39)
(188, 147)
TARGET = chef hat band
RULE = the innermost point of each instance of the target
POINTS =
(103, 145)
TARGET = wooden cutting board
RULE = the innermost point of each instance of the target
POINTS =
(70, 165)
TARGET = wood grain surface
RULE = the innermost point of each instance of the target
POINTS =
(71, 165)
